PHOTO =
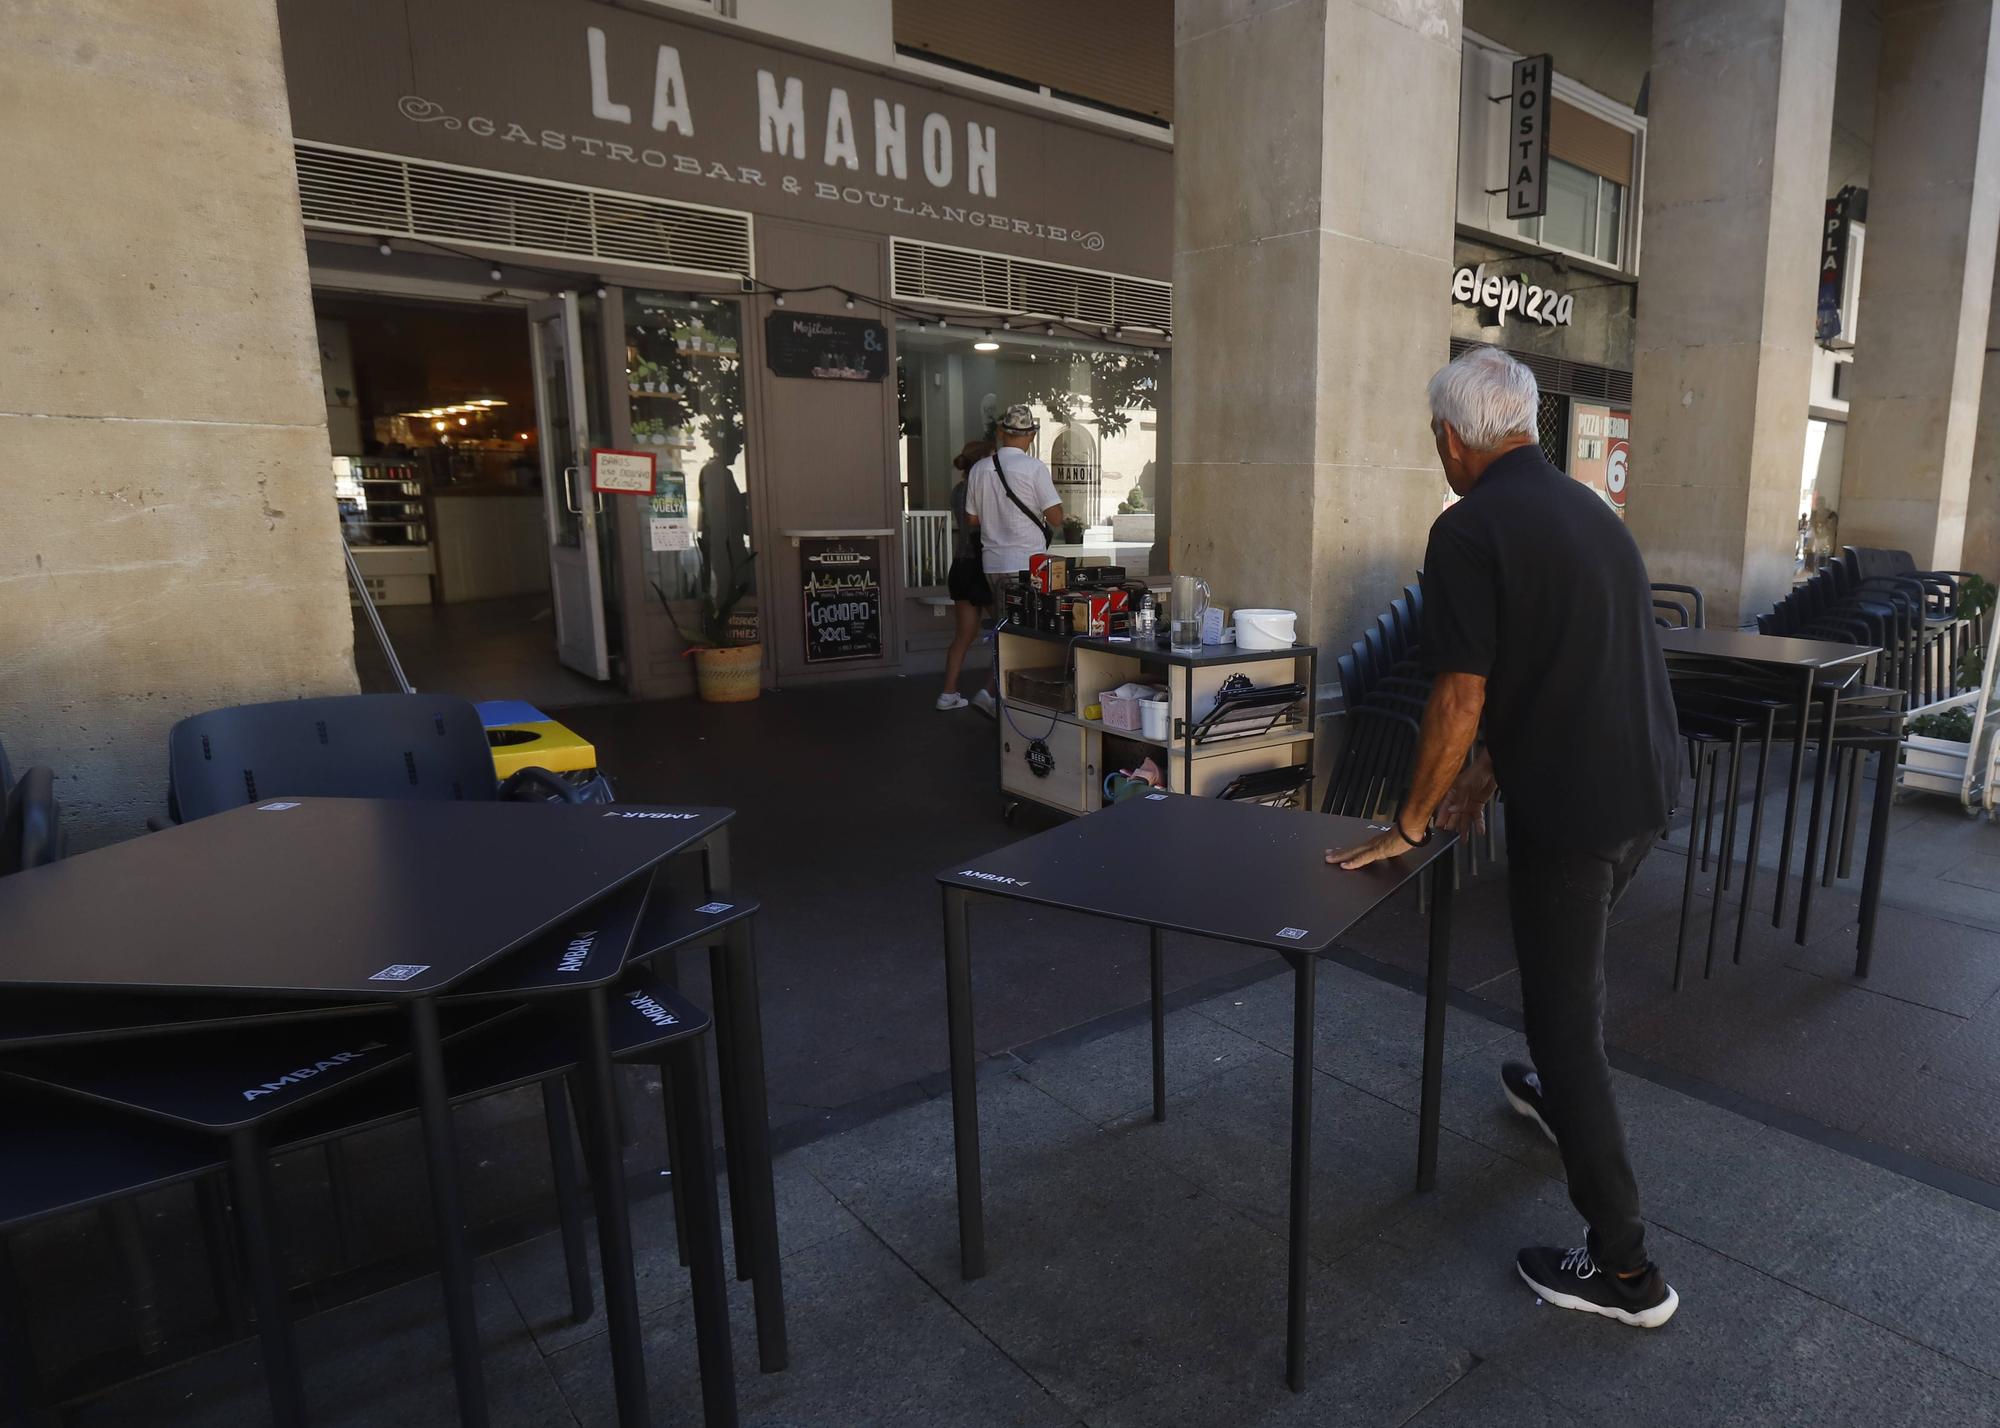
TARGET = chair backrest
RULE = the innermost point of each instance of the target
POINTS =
(1698, 605)
(423, 746)
(1869, 561)
(30, 822)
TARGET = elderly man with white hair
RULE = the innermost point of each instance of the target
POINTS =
(1538, 620)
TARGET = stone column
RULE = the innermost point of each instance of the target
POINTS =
(171, 542)
(1926, 280)
(1737, 138)
(1981, 553)
(1314, 153)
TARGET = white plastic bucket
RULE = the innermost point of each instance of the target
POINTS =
(1265, 629)
(1153, 718)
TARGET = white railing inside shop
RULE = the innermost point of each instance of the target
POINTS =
(926, 548)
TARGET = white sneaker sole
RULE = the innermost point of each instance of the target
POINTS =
(1528, 1112)
(1651, 1318)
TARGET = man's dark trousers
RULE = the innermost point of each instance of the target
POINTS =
(1561, 900)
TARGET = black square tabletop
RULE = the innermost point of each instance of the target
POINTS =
(1238, 872)
(353, 899)
(1764, 649)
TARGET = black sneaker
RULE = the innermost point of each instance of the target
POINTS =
(1523, 1087)
(1568, 1280)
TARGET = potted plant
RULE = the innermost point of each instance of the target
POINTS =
(723, 642)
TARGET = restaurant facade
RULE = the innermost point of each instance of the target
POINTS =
(789, 283)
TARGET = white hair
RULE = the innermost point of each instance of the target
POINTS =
(1487, 397)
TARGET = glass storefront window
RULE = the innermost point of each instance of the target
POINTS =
(684, 382)
(1100, 433)
(1586, 214)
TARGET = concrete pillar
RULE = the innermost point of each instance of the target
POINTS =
(1736, 158)
(1926, 280)
(170, 539)
(1314, 153)
(1981, 553)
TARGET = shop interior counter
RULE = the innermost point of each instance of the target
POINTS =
(491, 540)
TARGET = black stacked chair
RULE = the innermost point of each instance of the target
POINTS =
(1878, 597)
(1385, 690)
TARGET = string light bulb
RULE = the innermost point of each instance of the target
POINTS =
(1052, 329)
(779, 300)
(603, 292)
(850, 304)
(383, 248)
(496, 274)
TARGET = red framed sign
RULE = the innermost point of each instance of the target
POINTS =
(629, 473)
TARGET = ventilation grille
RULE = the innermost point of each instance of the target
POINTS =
(350, 191)
(1571, 379)
(961, 277)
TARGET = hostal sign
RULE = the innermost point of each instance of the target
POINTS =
(1495, 297)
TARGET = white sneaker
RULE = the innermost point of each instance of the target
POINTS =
(951, 699)
(983, 702)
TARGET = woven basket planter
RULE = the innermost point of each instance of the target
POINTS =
(732, 674)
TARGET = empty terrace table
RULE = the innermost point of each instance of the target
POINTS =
(1208, 867)
(336, 901)
(1802, 663)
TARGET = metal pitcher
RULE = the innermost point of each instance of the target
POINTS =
(1186, 606)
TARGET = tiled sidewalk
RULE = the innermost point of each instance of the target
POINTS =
(1138, 1269)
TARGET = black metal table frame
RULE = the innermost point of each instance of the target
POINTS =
(1802, 712)
(1304, 965)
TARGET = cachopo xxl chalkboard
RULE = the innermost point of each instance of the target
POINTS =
(843, 594)
(812, 344)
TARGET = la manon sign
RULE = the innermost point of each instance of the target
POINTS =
(628, 100)
(1497, 298)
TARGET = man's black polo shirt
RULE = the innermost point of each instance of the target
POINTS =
(1533, 582)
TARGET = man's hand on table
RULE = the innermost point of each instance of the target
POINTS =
(1384, 845)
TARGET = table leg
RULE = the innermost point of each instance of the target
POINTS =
(1878, 848)
(1812, 827)
(1801, 723)
(1304, 986)
(1728, 844)
(732, 1118)
(715, 862)
(225, 1271)
(250, 1183)
(964, 1089)
(1756, 832)
(1703, 771)
(447, 1214)
(1159, 979)
(569, 1196)
(677, 1163)
(19, 1380)
(687, 1078)
(1437, 987)
(743, 1063)
(614, 1228)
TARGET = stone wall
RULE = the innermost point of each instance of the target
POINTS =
(170, 539)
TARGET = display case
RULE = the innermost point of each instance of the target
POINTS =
(385, 520)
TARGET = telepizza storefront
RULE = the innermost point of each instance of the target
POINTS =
(785, 286)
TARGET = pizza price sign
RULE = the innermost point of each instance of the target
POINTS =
(625, 472)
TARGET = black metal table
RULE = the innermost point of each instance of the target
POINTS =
(343, 901)
(1211, 868)
(1806, 661)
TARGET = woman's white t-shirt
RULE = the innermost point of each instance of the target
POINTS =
(1007, 537)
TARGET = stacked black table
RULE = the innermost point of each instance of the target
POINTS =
(305, 908)
(1799, 665)
(1234, 872)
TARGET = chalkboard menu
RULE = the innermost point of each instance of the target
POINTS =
(838, 349)
(843, 593)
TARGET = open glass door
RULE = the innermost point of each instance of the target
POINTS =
(575, 564)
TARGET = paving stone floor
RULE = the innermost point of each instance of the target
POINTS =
(1137, 1271)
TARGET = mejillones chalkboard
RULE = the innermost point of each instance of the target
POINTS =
(843, 599)
(838, 349)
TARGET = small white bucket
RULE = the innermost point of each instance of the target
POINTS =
(1153, 718)
(1265, 629)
